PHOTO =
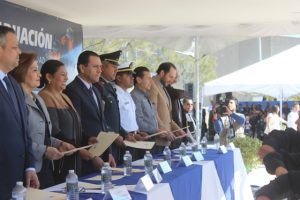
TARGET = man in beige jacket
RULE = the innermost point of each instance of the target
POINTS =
(166, 73)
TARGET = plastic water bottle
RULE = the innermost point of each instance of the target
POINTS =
(72, 186)
(182, 149)
(19, 191)
(203, 145)
(127, 163)
(195, 147)
(167, 155)
(217, 140)
(106, 177)
(148, 162)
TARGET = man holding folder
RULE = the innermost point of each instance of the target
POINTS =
(166, 74)
(88, 103)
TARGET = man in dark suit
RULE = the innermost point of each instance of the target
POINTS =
(88, 102)
(16, 157)
(111, 109)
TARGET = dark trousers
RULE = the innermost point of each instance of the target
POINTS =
(45, 176)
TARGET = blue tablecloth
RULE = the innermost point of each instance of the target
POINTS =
(182, 182)
(185, 182)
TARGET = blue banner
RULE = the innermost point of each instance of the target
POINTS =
(48, 36)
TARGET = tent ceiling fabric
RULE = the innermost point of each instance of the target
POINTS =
(174, 23)
(275, 76)
(175, 18)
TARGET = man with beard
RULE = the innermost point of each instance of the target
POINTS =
(166, 74)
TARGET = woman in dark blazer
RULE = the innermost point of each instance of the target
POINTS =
(45, 147)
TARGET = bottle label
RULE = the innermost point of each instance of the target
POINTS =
(195, 148)
(148, 163)
(182, 152)
(127, 163)
(72, 187)
(204, 145)
(167, 157)
(105, 177)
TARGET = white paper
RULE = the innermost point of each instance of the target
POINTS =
(222, 149)
(141, 162)
(231, 146)
(197, 156)
(98, 178)
(118, 193)
(105, 140)
(164, 167)
(132, 170)
(140, 144)
(157, 176)
(185, 161)
(144, 184)
(32, 193)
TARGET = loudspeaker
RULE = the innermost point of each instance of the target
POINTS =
(189, 88)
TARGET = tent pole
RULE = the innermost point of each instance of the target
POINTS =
(197, 69)
(280, 102)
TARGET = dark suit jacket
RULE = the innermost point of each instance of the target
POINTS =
(15, 143)
(111, 107)
(92, 119)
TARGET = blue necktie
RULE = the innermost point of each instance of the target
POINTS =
(12, 95)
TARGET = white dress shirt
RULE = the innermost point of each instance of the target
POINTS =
(292, 118)
(127, 110)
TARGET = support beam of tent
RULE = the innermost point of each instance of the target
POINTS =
(197, 70)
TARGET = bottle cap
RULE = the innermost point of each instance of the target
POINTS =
(20, 183)
(147, 151)
(127, 152)
(71, 171)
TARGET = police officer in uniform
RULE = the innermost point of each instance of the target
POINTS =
(111, 108)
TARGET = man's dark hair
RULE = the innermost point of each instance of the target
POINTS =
(83, 58)
(186, 99)
(139, 72)
(234, 99)
(166, 66)
(3, 32)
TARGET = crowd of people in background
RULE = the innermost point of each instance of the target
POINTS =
(260, 122)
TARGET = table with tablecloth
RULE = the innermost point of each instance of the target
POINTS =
(219, 176)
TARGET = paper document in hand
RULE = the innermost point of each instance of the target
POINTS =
(32, 193)
(77, 149)
(105, 139)
(140, 144)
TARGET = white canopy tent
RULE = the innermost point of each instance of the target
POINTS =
(277, 76)
(175, 23)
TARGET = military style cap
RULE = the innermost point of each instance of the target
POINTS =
(113, 57)
(126, 67)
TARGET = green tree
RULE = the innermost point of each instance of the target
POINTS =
(144, 53)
